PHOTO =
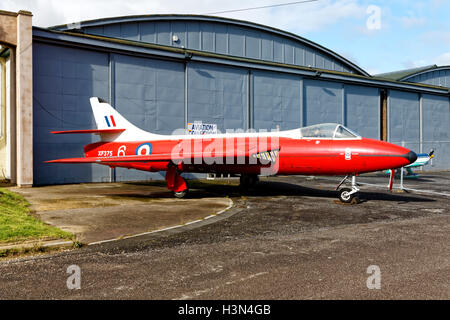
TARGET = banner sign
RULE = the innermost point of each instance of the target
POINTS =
(201, 128)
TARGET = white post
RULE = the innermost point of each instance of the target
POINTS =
(401, 178)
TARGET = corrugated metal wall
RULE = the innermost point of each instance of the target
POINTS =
(435, 78)
(63, 81)
(222, 38)
(362, 111)
(149, 92)
(404, 119)
(436, 129)
(421, 122)
(152, 94)
(323, 102)
(276, 101)
(217, 95)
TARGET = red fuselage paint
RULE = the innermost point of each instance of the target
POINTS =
(306, 156)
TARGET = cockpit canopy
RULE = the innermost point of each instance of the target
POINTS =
(328, 131)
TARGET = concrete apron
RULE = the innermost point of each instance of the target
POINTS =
(105, 211)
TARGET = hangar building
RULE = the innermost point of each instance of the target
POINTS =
(165, 71)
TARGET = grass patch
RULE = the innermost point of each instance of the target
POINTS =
(17, 224)
(35, 249)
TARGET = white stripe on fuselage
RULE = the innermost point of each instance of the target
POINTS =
(141, 135)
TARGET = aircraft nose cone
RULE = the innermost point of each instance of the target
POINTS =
(411, 156)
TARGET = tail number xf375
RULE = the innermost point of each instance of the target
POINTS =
(321, 149)
(105, 153)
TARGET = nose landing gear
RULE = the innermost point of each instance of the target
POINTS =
(346, 195)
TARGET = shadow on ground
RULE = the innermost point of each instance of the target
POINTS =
(201, 189)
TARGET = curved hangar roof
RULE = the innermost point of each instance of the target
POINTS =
(431, 75)
(218, 35)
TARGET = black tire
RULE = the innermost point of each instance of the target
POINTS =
(344, 195)
(181, 194)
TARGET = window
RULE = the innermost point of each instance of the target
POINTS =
(328, 131)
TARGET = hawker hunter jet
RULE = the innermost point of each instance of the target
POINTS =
(322, 149)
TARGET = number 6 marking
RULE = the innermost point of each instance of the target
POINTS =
(121, 151)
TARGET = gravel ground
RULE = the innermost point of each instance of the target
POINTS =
(287, 239)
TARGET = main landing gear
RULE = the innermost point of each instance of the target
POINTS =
(176, 183)
(248, 181)
(346, 195)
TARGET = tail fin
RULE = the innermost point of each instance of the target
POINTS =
(107, 118)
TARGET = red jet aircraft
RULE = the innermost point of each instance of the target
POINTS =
(322, 149)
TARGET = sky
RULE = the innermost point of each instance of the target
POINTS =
(378, 35)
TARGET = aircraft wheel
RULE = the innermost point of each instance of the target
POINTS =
(181, 194)
(345, 196)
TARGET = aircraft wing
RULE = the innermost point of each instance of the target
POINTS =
(149, 158)
(95, 131)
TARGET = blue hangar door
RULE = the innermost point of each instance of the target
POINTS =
(63, 81)
(276, 101)
(217, 95)
(322, 101)
(436, 129)
(404, 119)
(150, 94)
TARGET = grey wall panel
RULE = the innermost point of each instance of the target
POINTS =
(193, 36)
(223, 38)
(208, 37)
(276, 101)
(278, 55)
(404, 123)
(289, 52)
(252, 45)
(63, 81)
(328, 63)
(163, 31)
(299, 55)
(436, 78)
(338, 66)
(436, 129)
(150, 94)
(362, 107)
(236, 41)
(179, 30)
(309, 57)
(320, 61)
(130, 31)
(99, 31)
(266, 47)
(221, 34)
(112, 30)
(217, 95)
(322, 102)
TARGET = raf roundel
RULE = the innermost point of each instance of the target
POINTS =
(144, 149)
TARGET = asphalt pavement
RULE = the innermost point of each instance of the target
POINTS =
(287, 239)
